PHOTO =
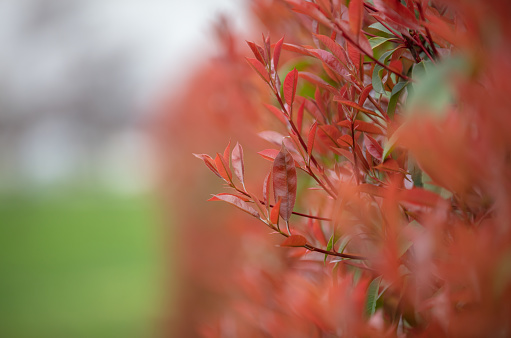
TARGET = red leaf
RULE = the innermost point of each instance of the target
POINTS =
(395, 11)
(290, 86)
(311, 137)
(269, 154)
(275, 211)
(266, 188)
(258, 51)
(331, 61)
(295, 48)
(345, 153)
(356, 106)
(227, 151)
(210, 163)
(345, 141)
(355, 56)
(364, 94)
(356, 14)
(285, 182)
(373, 147)
(421, 197)
(318, 232)
(238, 163)
(276, 53)
(278, 113)
(334, 47)
(259, 68)
(223, 168)
(294, 241)
(237, 202)
(362, 126)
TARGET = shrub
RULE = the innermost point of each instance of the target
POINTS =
(390, 179)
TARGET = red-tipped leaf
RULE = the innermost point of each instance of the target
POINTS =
(237, 202)
(311, 137)
(223, 168)
(238, 164)
(259, 68)
(276, 53)
(275, 212)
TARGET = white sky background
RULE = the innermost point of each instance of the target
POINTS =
(76, 74)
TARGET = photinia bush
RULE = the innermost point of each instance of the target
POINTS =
(389, 179)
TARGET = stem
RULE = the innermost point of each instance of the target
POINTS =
(333, 253)
(418, 40)
(428, 33)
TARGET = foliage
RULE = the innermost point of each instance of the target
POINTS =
(390, 173)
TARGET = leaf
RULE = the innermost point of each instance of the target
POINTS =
(295, 241)
(331, 61)
(223, 168)
(356, 15)
(290, 86)
(299, 117)
(373, 147)
(238, 163)
(257, 51)
(378, 26)
(356, 106)
(266, 189)
(237, 202)
(317, 231)
(295, 48)
(372, 297)
(364, 94)
(378, 41)
(276, 53)
(362, 126)
(376, 78)
(227, 151)
(420, 196)
(210, 163)
(394, 98)
(345, 141)
(278, 113)
(334, 47)
(269, 154)
(275, 211)
(400, 14)
(285, 182)
(259, 68)
(310, 138)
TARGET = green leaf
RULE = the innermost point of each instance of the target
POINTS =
(372, 297)
(379, 27)
(376, 78)
(329, 246)
(394, 97)
(377, 41)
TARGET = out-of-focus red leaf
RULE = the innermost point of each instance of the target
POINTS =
(276, 53)
(259, 68)
(356, 13)
(238, 164)
(311, 137)
(290, 86)
(421, 197)
(275, 211)
(355, 56)
(372, 190)
(373, 147)
(361, 159)
(223, 168)
(285, 182)
(318, 232)
(310, 9)
(329, 134)
(294, 241)
(210, 163)
(258, 51)
(362, 126)
(237, 202)
(334, 47)
(389, 165)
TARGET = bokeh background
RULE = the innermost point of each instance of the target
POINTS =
(86, 241)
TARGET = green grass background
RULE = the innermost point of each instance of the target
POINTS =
(77, 264)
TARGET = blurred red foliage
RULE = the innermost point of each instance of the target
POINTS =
(392, 183)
